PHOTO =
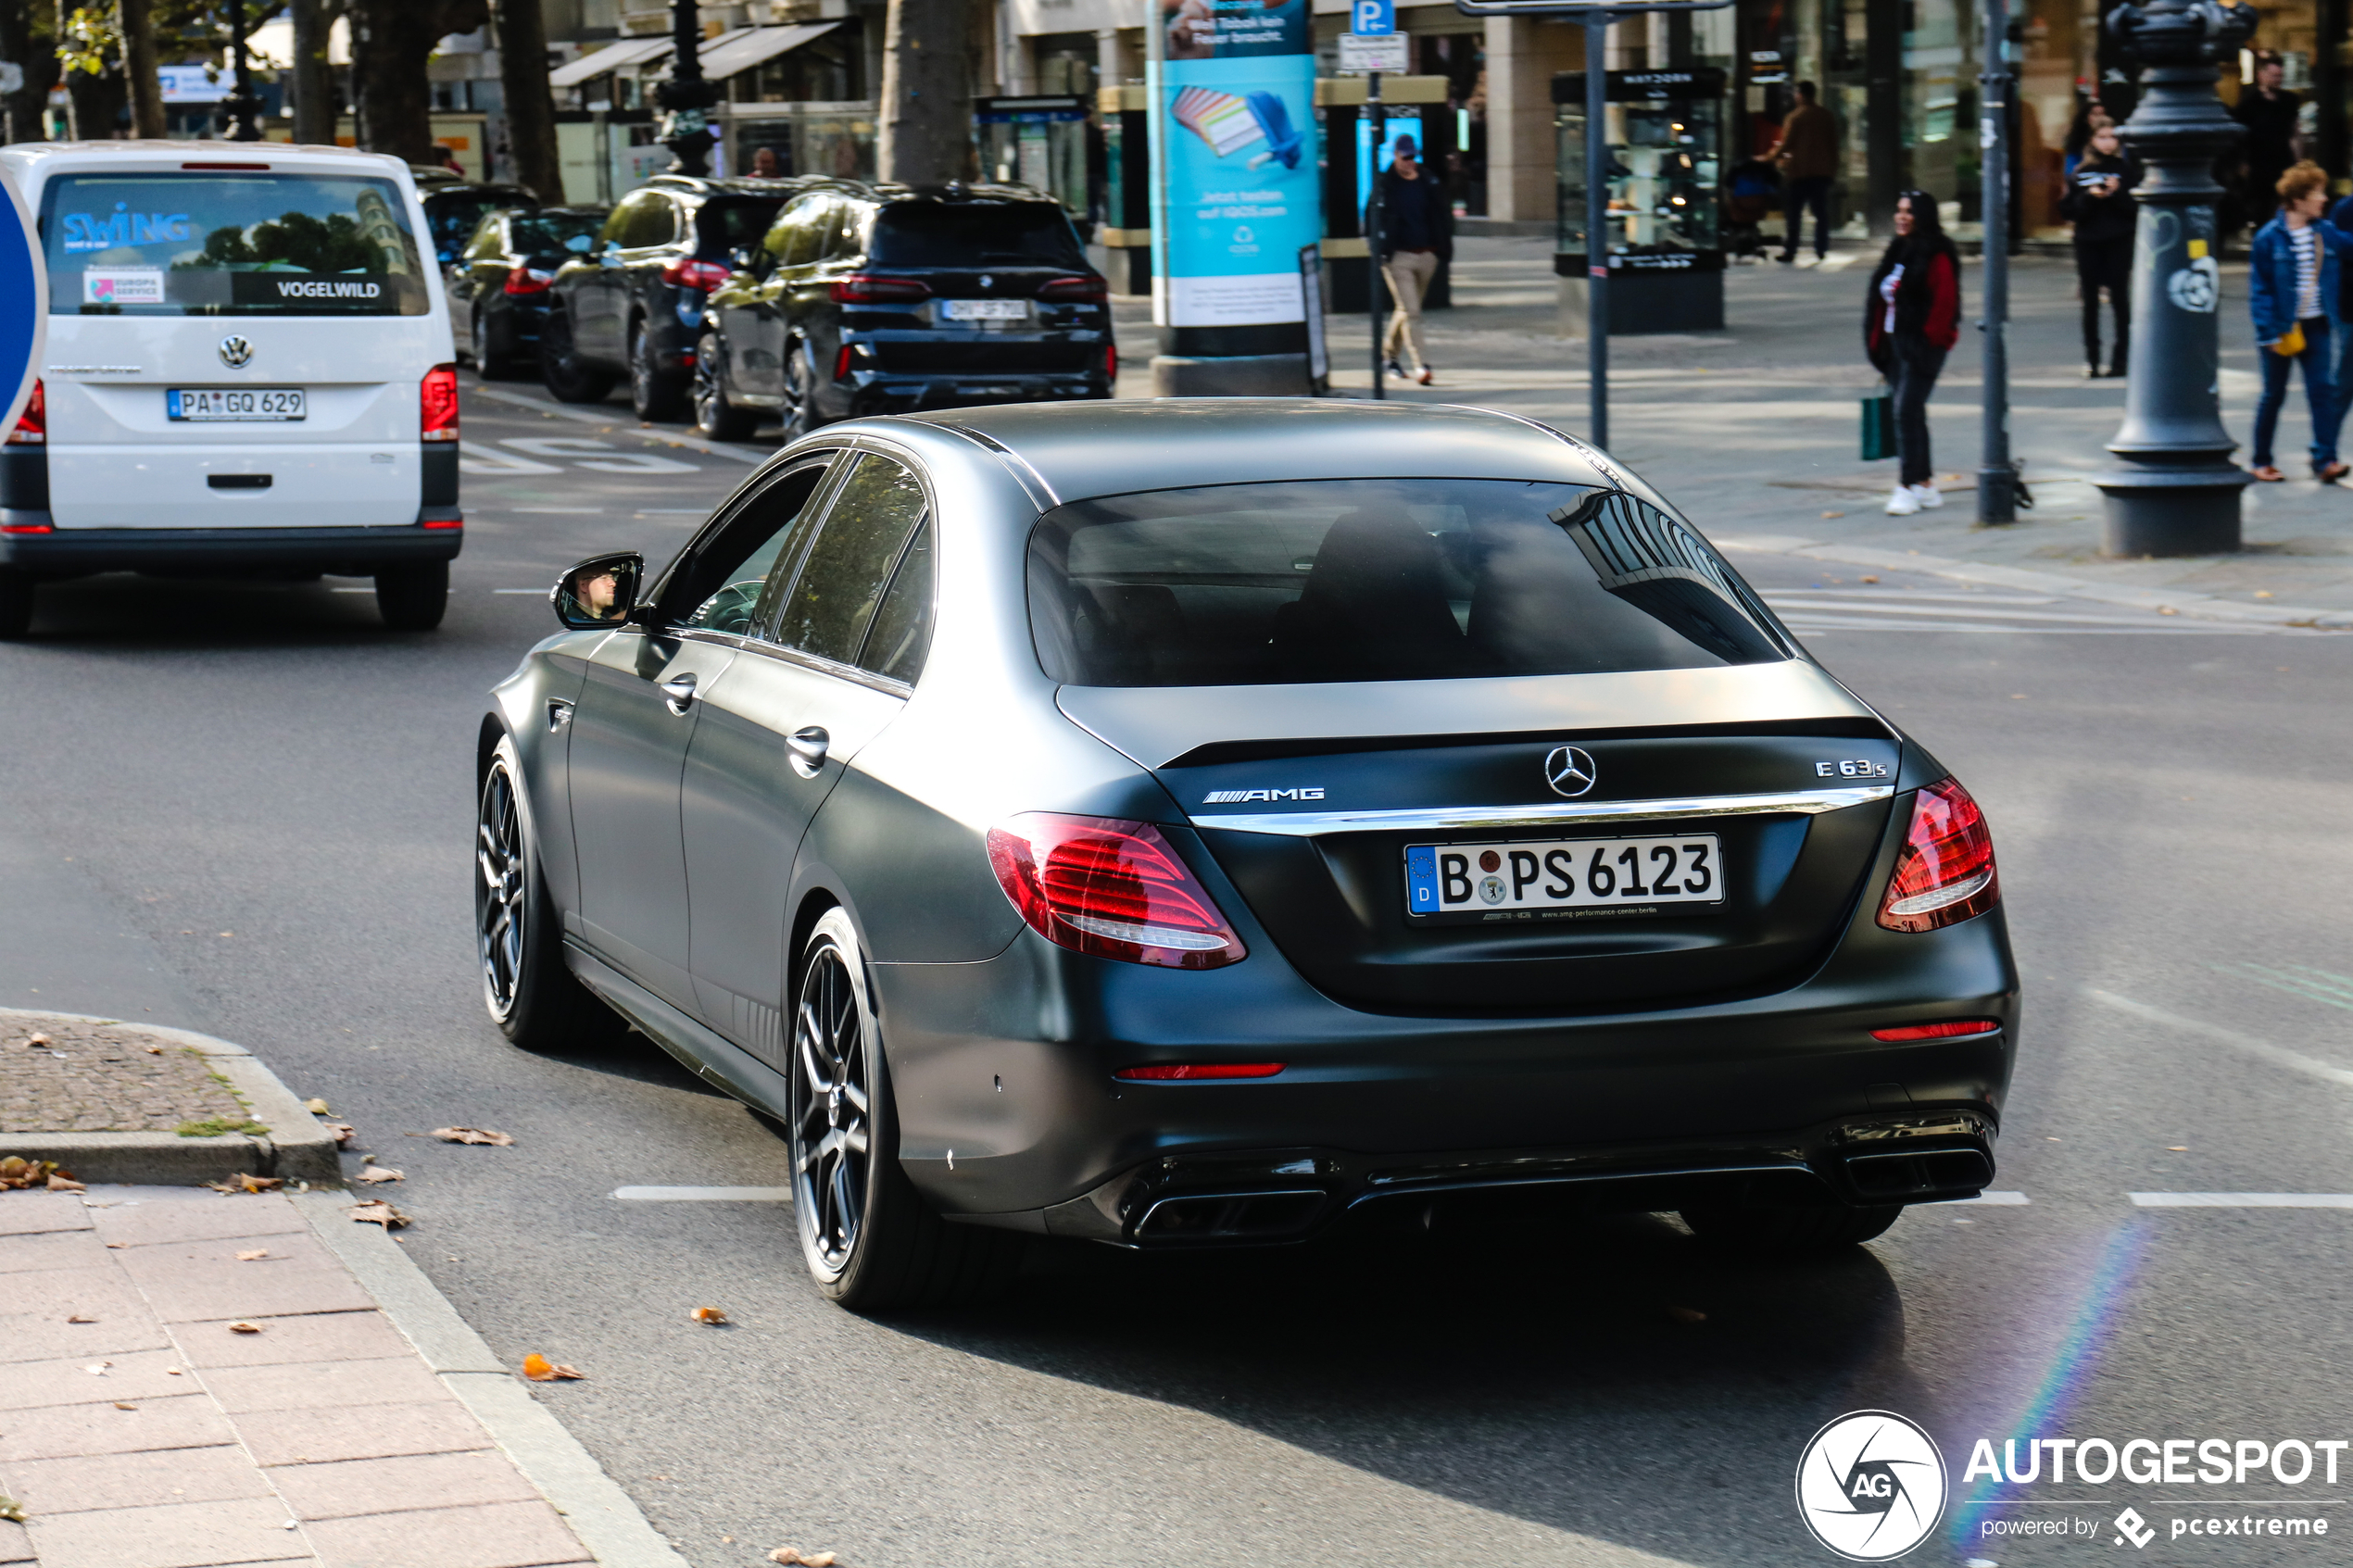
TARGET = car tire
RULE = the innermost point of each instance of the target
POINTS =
(801, 391)
(16, 602)
(532, 995)
(870, 1241)
(491, 362)
(412, 597)
(1790, 1233)
(654, 393)
(715, 417)
(561, 371)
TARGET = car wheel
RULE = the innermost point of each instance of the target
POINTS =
(801, 391)
(1790, 1233)
(654, 393)
(412, 597)
(566, 379)
(532, 995)
(714, 416)
(870, 1241)
(16, 602)
(491, 362)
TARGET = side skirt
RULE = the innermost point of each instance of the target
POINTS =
(707, 1055)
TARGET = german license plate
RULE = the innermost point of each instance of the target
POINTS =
(1562, 879)
(987, 309)
(262, 403)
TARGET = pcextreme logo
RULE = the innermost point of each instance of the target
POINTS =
(1870, 1485)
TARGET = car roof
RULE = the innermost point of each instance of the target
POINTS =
(44, 158)
(1111, 449)
(739, 184)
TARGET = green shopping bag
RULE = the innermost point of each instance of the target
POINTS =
(1879, 424)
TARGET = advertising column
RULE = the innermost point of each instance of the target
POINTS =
(1237, 194)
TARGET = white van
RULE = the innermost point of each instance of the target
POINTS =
(249, 374)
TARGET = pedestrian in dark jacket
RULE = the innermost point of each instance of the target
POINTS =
(1911, 319)
(1417, 234)
(1807, 158)
(2099, 202)
(2293, 291)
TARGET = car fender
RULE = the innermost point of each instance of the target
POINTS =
(533, 706)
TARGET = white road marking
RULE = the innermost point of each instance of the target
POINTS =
(2243, 1199)
(587, 452)
(519, 591)
(1992, 1200)
(475, 458)
(674, 438)
(553, 511)
(2297, 1061)
(704, 1195)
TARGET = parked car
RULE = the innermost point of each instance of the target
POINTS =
(454, 209)
(499, 283)
(887, 299)
(1098, 821)
(634, 307)
(248, 372)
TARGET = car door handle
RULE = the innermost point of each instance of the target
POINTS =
(679, 692)
(808, 748)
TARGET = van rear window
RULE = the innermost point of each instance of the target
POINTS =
(229, 245)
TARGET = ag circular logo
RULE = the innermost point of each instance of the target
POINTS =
(1870, 1485)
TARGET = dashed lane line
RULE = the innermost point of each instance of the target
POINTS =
(2296, 1061)
(703, 1195)
(620, 425)
(2242, 1199)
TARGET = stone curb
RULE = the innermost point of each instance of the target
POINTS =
(296, 1149)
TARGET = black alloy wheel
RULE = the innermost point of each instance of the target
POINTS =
(716, 416)
(654, 393)
(15, 601)
(801, 390)
(413, 597)
(529, 993)
(502, 911)
(566, 379)
(833, 1118)
(492, 361)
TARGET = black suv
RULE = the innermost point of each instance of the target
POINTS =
(634, 307)
(499, 283)
(455, 208)
(869, 299)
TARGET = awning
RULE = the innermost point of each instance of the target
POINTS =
(611, 58)
(740, 53)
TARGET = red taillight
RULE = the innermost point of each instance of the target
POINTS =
(1178, 1071)
(1950, 1031)
(1111, 888)
(528, 279)
(868, 288)
(28, 528)
(841, 364)
(1110, 362)
(1946, 872)
(32, 425)
(691, 274)
(444, 522)
(439, 419)
(1074, 290)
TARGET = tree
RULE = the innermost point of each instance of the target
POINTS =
(314, 78)
(29, 38)
(89, 56)
(927, 92)
(139, 68)
(531, 102)
(391, 40)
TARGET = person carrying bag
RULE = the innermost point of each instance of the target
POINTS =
(1911, 319)
(2292, 294)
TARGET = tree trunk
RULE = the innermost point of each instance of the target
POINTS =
(391, 40)
(926, 94)
(531, 102)
(314, 79)
(25, 37)
(139, 68)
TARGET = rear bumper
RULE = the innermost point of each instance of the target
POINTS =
(352, 552)
(902, 392)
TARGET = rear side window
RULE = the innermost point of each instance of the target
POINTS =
(865, 531)
(902, 632)
(553, 234)
(923, 233)
(1379, 580)
(229, 245)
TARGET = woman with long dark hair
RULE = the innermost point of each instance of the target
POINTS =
(1911, 319)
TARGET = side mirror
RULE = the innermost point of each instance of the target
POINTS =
(599, 594)
(610, 255)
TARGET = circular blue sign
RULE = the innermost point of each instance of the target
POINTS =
(24, 302)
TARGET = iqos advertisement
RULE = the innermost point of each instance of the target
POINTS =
(1238, 192)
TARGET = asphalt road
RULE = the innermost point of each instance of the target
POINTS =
(247, 810)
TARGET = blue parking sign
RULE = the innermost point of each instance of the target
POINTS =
(24, 302)
(1372, 15)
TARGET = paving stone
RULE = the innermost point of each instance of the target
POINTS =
(360, 1431)
(386, 1485)
(50, 1250)
(196, 1534)
(163, 1215)
(16, 1546)
(28, 1336)
(510, 1535)
(138, 1376)
(317, 1336)
(23, 1213)
(192, 1421)
(102, 1077)
(324, 1385)
(143, 1480)
(59, 1294)
(195, 1283)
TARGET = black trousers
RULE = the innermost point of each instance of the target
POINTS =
(2106, 264)
(1814, 191)
(1918, 364)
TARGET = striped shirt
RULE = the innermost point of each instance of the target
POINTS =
(2307, 242)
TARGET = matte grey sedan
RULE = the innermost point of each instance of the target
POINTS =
(1210, 824)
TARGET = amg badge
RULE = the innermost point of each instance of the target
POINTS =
(1235, 797)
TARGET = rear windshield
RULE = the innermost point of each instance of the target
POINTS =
(1379, 580)
(727, 226)
(552, 233)
(229, 245)
(453, 216)
(980, 235)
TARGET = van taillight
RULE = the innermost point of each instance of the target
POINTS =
(1113, 888)
(439, 420)
(1945, 874)
(32, 425)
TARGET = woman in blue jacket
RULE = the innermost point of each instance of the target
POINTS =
(2292, 291)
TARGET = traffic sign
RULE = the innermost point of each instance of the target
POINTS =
(24, 302)
(1363, 52)
(1372, 15)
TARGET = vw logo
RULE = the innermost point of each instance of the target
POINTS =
(1870, 1485)
(235, 353)
(1569, 769)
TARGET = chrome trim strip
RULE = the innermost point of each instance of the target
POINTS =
(1311, 824)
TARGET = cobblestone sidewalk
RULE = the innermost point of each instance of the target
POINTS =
(63, 1074)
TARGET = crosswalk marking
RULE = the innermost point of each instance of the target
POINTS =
(704, 1195)
(2243, 1199)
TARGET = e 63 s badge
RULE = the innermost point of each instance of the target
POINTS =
(1871, 1486)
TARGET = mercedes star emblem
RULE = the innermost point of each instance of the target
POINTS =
(1569, 770)
(235, 353)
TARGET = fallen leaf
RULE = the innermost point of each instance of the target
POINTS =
(246, 1181)
(2177, 1149)
(17, 1172)
(376, 1173)
(711, 1315)
(379, 1213)
(117, 1246)
(2262, 592)
(1833, 514)
(317, 1107)
(61, 1182)
(256, 1256)
(11, 1509)
(342, 1130)
(539, 1369)
(99, 1370)
(34, 1042)
(154, 1050)
(471, 1135)
(1870, 579)
(245, 1328)
(1686, 1314)
(2167, 609)
(172, 1372)
(812, 1559)
(121, 1406)
(78, 1318)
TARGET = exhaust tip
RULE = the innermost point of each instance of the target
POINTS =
(1231, 1216)
(1920, 1174)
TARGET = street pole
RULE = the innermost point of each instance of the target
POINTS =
(1372, 225)
(242, 105)
(1597, 224)
(1997, 478)
(2176, 491)
(687, 98)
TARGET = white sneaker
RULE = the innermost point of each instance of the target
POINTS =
(1926, 495)
(1904, 503)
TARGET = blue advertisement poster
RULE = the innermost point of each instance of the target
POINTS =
(1240, 191)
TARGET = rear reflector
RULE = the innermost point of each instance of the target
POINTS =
(1110, 362)
(438, 419)
(443, 523)
(27, 528)
(1949, 1031)
(841, 364)
(1194, 1070)
(1111, 888)
(32, 425)
(1945, 874)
